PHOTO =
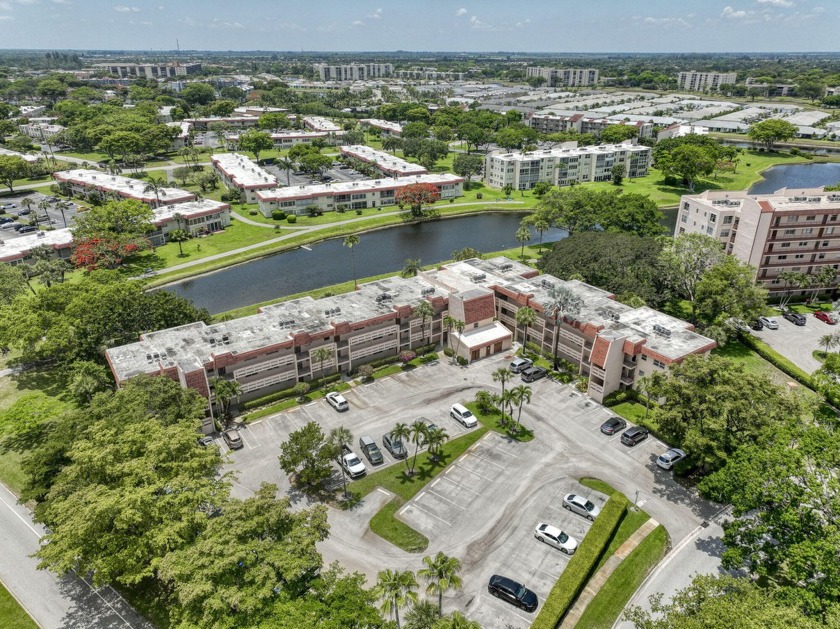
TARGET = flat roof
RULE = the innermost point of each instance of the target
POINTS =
(560, 152)
(319, 123)
(17, 248)
(383, 160)
(243, 172)
(393, 127)
(785, 199)
(23, 156)
(347, 187)
(124, 186)
(188, 209)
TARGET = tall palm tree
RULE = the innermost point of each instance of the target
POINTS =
(226, 391)
(156, 185)
(284, 163)
(651, 386)
(449, 323)
(411, 267)
(62, 206)
(422, 615)
(508, 399)
(403, 433)
(457, 620)
(525, 317)
(395, 589)
(521, 395)
(523, 235)
(351, 241)
(419, 435)
(827, 341)
(435, 440)
(336, 440)
(321, 355)
(441, 574)
(502, 375)
(459, 328)
(562, 303)
(424, 310)
(179, 236)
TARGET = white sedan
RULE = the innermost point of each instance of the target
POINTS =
(337, 401)
(553, 536)
(666, 461)
(581, 505)
(769, 322)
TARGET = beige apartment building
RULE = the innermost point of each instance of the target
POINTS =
(612, 344)
(353, 71)
(565, 77)
(581, 123)
(82, 181)
(788, 230)
(705, 81)
(565, 165)
(237, 172)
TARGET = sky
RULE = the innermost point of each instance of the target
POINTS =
(424, 25)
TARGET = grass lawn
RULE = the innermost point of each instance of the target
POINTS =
(748, 172)
(384, 524)
(631, 411)
(604, 609)
(755, 364)
(10, 473)
(12, 615)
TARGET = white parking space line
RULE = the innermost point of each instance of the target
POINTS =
(461, 464)
(414, 505)
(259, 421)
(452, 502)
(501, 467)
(509, 610)
(457, 483)
(250, 432)
(551, 574)
(500, 447)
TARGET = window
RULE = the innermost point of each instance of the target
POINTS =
(659, 364)
(799, 256)
(810, 218)
(685, 205)
(727, 220)
(724, 233)
(785, 245)
(807, 231)
(825, 243)
(782, 258)
(803, 243)
(712, 218)
(790, 232)
(644, 356)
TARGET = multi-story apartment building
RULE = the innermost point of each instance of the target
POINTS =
(384, 162)
(353, 195)
(234, 122)
(565, 77)
(353, 71)
(564, 165)
(788, 230)
(18, 250)
(581, 123)
(705, 81)
(317, 123)
(386, 127)
(237, 172)
(612, 344)
(82, 181)
(287, 139)
(150, 70)
(41, 131)
(430, 74)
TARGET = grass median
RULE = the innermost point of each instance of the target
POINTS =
(12, 615)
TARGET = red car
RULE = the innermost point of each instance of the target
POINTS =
(825, 316)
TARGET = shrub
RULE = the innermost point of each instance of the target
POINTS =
(225, 197)
(452, 200)
(581, 565)
(685, 467)
(341, 208)
(365, 372)
(448, 351)
(620, 397)
(382, 362)
(359, 211)
(291, 218)
(407, 356)
(428, 358)
(462, 361)
(478, 195)
(253, 212)
(278, 215)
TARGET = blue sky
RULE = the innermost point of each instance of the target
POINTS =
(433, 25)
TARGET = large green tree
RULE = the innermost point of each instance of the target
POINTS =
(685, 260)
(308, 455)
(256, 142)
(579, 208)
(12, 168)
(467, 165)
(729, 290)
(687, 163)
(769, 132)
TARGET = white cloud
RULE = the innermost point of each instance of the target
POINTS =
(667, 21)
(5, 6)
(523, 23)
(6, 18)
(479, 25)
(376, 15)
(217, 23)
(61, 1)
(460, 12)
(732, 14)
(125, 9)
(358, 23)
(776, 3)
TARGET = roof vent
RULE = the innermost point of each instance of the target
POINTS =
(479, 277)
(429, 290)
(546, 284)
(662, 330)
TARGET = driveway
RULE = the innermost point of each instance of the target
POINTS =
(797, 343)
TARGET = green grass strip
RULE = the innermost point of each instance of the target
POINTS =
(395, 531)
(12, 615)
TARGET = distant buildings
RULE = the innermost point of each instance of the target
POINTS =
(317, 123)
(565, 77)
(564, 165)
(386, 127)
(287, 139)
(430, 74)
(27, 158)
(353, 71)
(679, 130)
(704, 81)
(788, 230)
(581, 123)
(16, 250)
(150, 70)
(352, 195)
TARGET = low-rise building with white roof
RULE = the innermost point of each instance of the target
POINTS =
(386, 127)
(82, 181)
(237, 172)
(384, 162)
(40, 131)
(17, 250)
(318, 123)
(25, 157)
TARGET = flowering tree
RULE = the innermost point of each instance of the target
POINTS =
(103, 253)
(415, 196)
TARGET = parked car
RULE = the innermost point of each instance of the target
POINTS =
(634, 435)
(512, 592)
(667, 459)
(24, 212)
(757, 325)
(581, 505)
(5, 219)
(233, 439)
(613, 425)
(206, 440)
(518, 365)
(369, 448)
(10, 225)
(394, 446)
(337, 401)
(795, 318)
(25, 229)
(533, 373)
(462, 414)
(351, 463)
(553, 536)
(827, 317)
(769, 322)
(738, 324)
(430, 425)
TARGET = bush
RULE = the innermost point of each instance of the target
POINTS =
(428, 358)
(620, 397)
(582, 564)
(253, 212)
(365, 372)
(685, 467)
(448, 351)
(359, 211)
(462, 361)
(287, 393)
(341, 208)
(777, 360)
(291, 218)
(478, 195)
(225, 197)
(314, 210)
(278, 215)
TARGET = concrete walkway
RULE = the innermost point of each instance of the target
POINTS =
(597, 582)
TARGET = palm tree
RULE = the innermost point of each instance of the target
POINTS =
(459, 328)
(435, 440)
(457, 620)
(503, 375)
(403, 433)
(508, 399)
(448, 323)
(441, 574)
(525, 317)
(351, 241)
(523, 235)
(542, 225)
(562, 302)
(827, 341)
(62, 206)
(419, 433)
(424, 310)
(411, 267)
(156, 185)
(179, 236)
(422, 615)
(284, 163)
(395, 589)
(521, 395)
(321, 355)
(651, 386)
(226, 391)
(336, 440)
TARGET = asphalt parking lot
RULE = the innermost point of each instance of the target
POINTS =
(484, 508)
(51, 216)
(797, 343)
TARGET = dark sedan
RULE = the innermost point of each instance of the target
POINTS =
(512, 592)
(613, 425)
(634, 435)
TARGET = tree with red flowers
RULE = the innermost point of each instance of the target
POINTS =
(105, 235)
(415, 196)
(104, 253)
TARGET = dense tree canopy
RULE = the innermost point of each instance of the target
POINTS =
(769, 132)
(580, 208)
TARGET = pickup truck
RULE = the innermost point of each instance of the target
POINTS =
(351, 463)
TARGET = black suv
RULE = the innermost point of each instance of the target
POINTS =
(512, 592)
(795, 318)
(757, 324)
(532, 373)
(634, 435)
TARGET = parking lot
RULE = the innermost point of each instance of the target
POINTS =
(483, 509)
(303, 179)
(48, 216)
(797, 343)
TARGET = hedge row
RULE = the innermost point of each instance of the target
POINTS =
(582, 564)
(777, 360)
(287, 393)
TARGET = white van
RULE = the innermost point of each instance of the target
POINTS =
(461, 413)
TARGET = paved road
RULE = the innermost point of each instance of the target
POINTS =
(797, 343)
(68, 602)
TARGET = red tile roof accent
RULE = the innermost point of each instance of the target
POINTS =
(632, 348)
(479, 308)
(599, 352)
(766, 207)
